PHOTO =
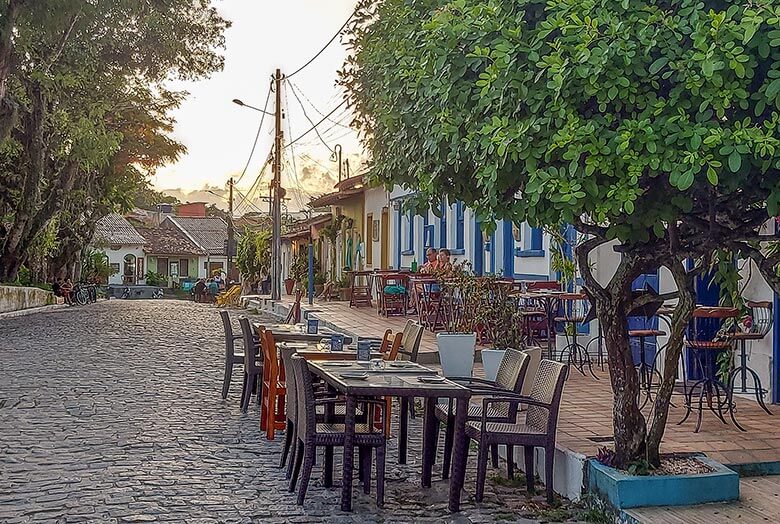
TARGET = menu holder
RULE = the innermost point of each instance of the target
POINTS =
(312, 326)
(337, 342)
(363, 350)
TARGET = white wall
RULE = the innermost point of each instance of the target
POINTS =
(116, 256)
(374, 200)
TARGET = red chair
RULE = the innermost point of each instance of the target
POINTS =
(274, 391)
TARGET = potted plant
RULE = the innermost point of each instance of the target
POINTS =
(345, 291)
(500, 320)
(457, 345)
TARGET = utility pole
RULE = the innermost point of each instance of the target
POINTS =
(276, 216)
(347, 162)
(230, 231)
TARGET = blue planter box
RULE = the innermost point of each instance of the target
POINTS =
(630, 491)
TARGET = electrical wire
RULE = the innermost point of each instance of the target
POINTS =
(300, 103)
(298, 89)
(257, 136)
(315, 125)
(312, 59)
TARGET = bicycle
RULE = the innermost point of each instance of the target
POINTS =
(81, 294)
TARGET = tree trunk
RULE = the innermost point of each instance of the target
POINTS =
(680, 319)
(629, 424)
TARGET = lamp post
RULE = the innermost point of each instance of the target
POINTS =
(276, 188)
(337, 157)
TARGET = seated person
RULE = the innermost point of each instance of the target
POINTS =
(199, 290)
(431, 261)
(444, 267)
(67, 290)
(213, 288)
(55, 287)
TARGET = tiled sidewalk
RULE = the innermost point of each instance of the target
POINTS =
(586, 412)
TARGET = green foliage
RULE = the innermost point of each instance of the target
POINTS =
(95, 267)
(253, 253)
(155, 279)
(640, 467)
(626, 116)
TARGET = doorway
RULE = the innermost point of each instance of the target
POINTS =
(385, 239)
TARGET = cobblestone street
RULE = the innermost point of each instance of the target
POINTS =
(112, 413)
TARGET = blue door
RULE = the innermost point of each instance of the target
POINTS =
(479, 249)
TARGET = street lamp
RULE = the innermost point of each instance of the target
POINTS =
(241, 103)
(337, 157)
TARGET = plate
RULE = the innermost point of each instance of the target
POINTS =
(337, 364)
(433, 379)
(297, 345)
(401, 364)
(354, 375)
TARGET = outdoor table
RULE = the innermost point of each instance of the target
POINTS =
(578, 354)
(549, 301)
(407, 385)
(296, 333)
(394, 303)
(316, 351)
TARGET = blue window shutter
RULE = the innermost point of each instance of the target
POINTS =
(443, 226)
(460, 226)
(536, 239)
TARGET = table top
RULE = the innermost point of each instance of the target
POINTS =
(317, 351)
(383, 383)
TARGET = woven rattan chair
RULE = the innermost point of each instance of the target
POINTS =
(231, 357)
(410, 349)
(537, 431)
(510, 378)
(312, 434)
(253, 364)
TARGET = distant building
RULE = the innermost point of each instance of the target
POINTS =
(191, 209)
(172, 254)
(123, 247)
(210, 235)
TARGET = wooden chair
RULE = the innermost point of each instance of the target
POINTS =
(312, 434)
(231, 357)
(253, 367)
(294, 316)
(510, 378)
(273, 390)
(537, 431)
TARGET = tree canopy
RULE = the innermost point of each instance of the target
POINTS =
(89, 108)
(653, 123)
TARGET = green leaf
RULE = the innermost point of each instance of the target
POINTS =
(712, 176)
(773, 88)
(735, 161)
(658, 65)
(629, 207)
(685, 181)
(708, 67)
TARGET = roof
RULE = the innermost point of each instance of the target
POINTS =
(168, 241)
(303, 228)
(208, 233)
(114, 230)
(353, 182)
(329, 199)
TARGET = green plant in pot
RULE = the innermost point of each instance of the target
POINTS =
(499, 319)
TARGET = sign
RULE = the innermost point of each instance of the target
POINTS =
(364, 350)
(312, 326)
(337, 342)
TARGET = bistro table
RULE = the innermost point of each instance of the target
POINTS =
(296, 333)
(549, 300)
(319, 351)
(387, 383)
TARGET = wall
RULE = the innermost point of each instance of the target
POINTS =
(13, 298)
(375, 200)
(116, 256)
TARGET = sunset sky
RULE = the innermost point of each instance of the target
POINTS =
(219, 134)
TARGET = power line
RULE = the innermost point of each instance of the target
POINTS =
(315, 125)
(295, 94)
(298, 89)
(312, 59)
(257, 136)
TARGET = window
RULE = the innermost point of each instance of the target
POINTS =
(114, 268)
(443, 225)
(460, 225)
(428, 233)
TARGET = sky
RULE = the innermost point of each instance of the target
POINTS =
(218, 134)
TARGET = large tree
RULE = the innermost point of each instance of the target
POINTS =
(77, 69)
(650, 126)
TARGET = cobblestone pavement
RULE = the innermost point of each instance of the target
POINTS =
(112, 413)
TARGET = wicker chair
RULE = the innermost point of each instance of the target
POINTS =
(253, 367)
(410, 349)
(231, 357)
(311, 434)
(510, 378)
(537, 431)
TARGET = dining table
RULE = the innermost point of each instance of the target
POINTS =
(549, 301)
(297, 333)
(402, 382)
(311, 350)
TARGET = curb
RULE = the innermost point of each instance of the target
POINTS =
(30, 311)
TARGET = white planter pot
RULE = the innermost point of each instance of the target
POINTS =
(491, 360)
(456, 353)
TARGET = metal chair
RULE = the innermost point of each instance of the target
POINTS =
(761, 323)
(312, 434)
(231, 357)
(510, 377)
(537, 431)
(253, 367)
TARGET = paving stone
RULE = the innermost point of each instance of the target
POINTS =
(128, 425)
